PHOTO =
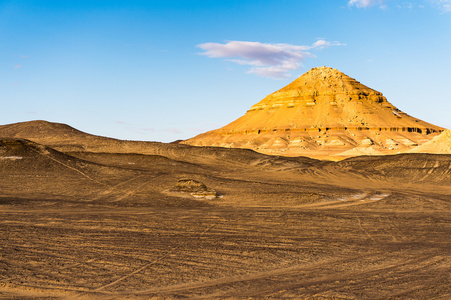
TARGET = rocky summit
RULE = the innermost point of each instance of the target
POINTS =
(323, 114)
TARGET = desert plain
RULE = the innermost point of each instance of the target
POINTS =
(87, 217)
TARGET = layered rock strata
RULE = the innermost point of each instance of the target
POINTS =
(323, 113)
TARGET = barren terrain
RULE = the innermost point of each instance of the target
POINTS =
(92, 225)
(326, 114)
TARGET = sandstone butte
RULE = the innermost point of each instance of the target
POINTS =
(322, 114)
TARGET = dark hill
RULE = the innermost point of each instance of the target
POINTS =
(68, 139)
(28, 168)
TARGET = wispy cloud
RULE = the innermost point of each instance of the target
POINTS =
(365, 3)
(17, 66)
(268, 60)
(443, 5)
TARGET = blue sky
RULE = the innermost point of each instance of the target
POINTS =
(168, 70)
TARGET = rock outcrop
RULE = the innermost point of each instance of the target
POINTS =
(322, 114)
(194, 188)
(441, 144)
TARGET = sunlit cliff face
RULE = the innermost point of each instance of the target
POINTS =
(323, 113)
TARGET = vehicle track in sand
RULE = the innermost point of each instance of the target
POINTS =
(319, 284)
(148, 264)
(125, 276)
(356, 199)
(318, 278)
(71, 168)
(282, 279)
(125, 189)
(341, 202)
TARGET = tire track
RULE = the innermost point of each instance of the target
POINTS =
(265, 290)
(71, 168)
(357, 199)
(364, 230)
(147, 265)
(284, 283)
(114, 188)
(239, 278)
(119, 192)
(392, 230)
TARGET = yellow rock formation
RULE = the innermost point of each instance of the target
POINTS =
(441, 144)
(322, 114)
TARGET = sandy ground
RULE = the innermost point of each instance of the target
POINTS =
(105, 227)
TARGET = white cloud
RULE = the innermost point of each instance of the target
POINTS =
(321, 43)
(444, 5)
(365, 3)
(268, 60)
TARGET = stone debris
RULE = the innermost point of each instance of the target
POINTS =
(194, 188)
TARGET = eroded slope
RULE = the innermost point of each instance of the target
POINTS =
(324, 114)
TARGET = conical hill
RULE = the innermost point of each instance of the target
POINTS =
(323, 113)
